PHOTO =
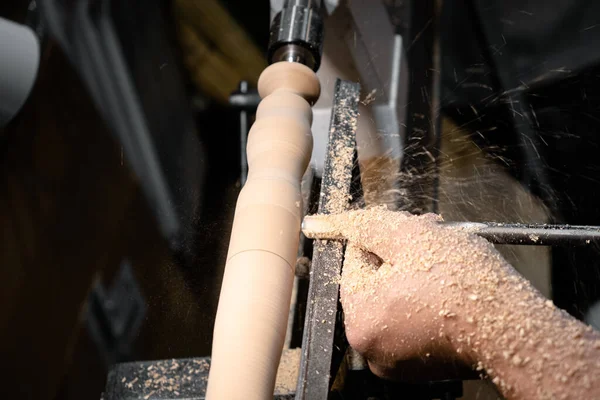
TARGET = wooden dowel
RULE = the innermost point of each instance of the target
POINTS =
(254, 303)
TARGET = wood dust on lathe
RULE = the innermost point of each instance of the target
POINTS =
(466, 195)
(288, 371)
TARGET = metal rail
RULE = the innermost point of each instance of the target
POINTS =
(532, 234)
(318, 361)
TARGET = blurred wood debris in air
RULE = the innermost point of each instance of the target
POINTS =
(216, 50)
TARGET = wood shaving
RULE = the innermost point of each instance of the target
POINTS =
(287, 373)
(167, 378)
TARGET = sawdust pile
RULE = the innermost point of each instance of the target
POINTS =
(468, 295)
(167, 378)
(287, 373)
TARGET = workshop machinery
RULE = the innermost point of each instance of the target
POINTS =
(395, 48)
(392, 72)
(328, 368)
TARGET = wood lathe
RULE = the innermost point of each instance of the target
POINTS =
(254, 322)
(296, 39)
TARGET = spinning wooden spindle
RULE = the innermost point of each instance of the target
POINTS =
(255, 296)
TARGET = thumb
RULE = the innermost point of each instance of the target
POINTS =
(374, 230)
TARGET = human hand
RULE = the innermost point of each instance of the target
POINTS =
(406, 290)
(424, 300)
